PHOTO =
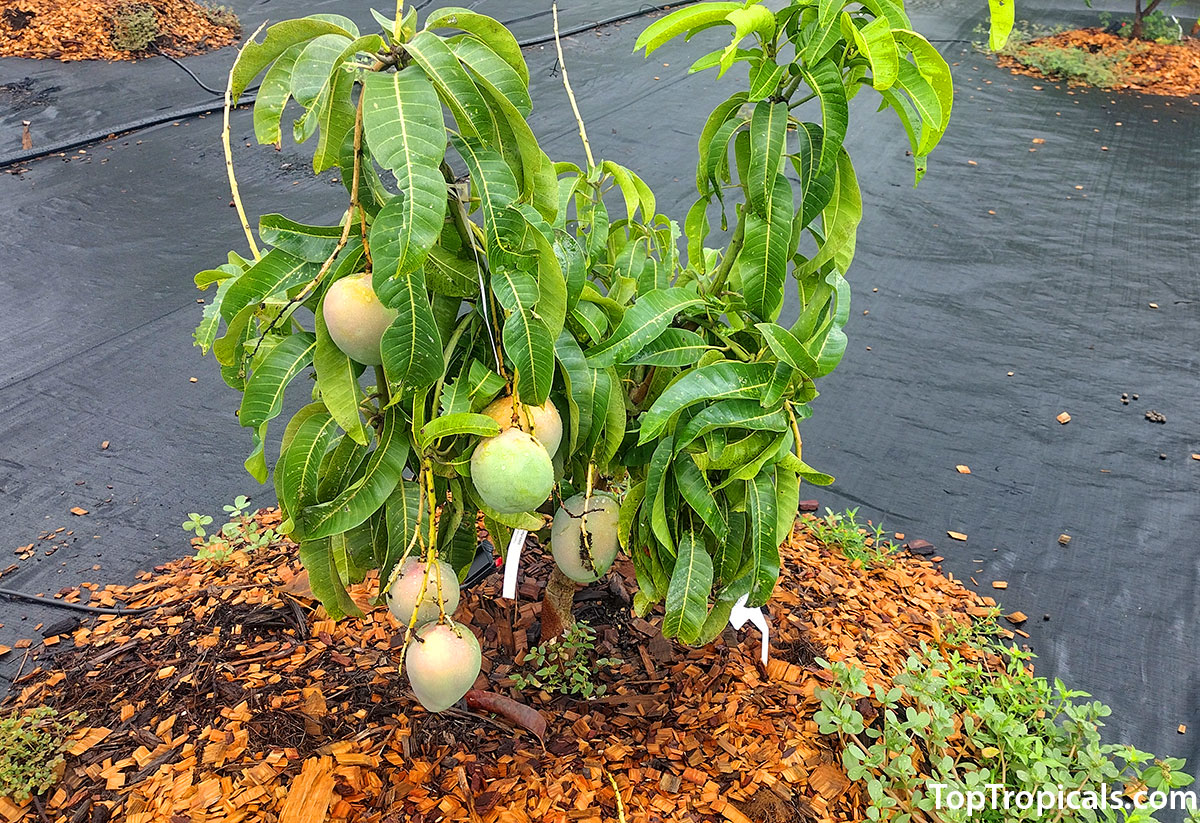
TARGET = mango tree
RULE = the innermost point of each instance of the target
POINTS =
(488, 333)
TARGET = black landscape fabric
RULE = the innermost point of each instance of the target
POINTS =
(1046, 264)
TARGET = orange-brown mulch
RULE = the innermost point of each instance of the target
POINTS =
(242, 701)
(1154, 68)
(83, 29)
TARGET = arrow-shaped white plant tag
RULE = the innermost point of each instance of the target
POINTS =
(512, 562)
(740, 614)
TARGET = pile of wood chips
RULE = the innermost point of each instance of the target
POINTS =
(240, 700)
(1154, 68)
(83, 29)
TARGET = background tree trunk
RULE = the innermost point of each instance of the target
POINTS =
(557, 602)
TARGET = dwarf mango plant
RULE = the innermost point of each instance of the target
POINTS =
(486, 331)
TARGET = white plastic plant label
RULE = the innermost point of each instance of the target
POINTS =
(740, 614)
(512, 562)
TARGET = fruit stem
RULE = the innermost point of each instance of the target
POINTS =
(381, 386)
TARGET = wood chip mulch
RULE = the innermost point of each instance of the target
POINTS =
(70, 30)
(1155, 68)
(241, 701)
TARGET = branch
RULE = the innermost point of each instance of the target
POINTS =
(233, 186)
(587, 147)
(731, 254)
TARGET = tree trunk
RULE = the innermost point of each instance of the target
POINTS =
(1138, 14)
(1195, 28)
(557, 602)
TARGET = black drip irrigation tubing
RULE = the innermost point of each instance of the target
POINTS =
(208, 108)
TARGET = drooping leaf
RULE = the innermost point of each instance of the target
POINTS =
(337, 377)
(411, 347)
(687, 596)
(825, 79)
(402, 124)
(696, 490)
(324, 580)
(530, 350)
(841, 217)
(255, 57)
(768, 133)
(762, 510)
(875, 40)
(766, 250)
(296, 471)
(363, 497)
(273, 95)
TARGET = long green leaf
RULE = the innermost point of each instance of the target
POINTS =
(682, 21)
(695, 488)
(276, 272)
(825, 79)
(673, 348)
(643, 322)
(311, 243)
(324, 580)
(491, 32)
(296, 471)
(530, 350)
(273, 94)
(337, 378)
(402, 123)
(761, 508)
(840, 218)
(726, 380)
(263, 399)
(363, 497)
(413, 358)
(454, 86)
(687, 596)
(766, 250)
(255, 57)
(787, 348)
(460, 423)
(731, 414)
(768, 134)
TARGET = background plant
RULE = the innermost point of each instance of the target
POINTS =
(563, 664)
(841, 530)
(950, 719)
(510, 273)
(241, 531)
(32, 745)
